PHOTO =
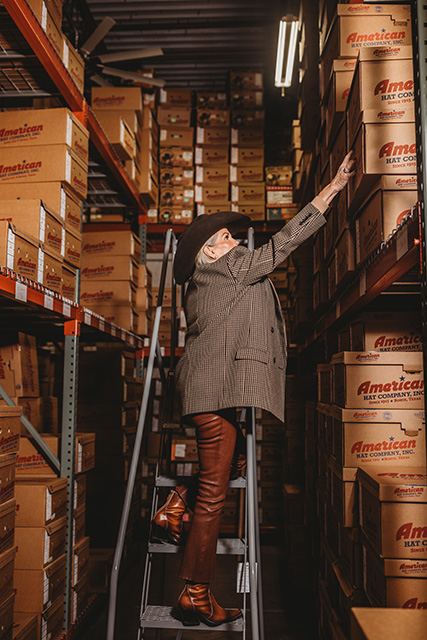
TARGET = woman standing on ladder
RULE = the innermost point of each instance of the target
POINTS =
(235, 356)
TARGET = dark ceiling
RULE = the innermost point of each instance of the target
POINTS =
(202, 41)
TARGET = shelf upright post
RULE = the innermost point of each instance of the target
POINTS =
(143, 238)
(419, 39)
(68, 444)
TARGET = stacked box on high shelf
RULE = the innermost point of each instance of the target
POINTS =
(279, 193)
(247, 190)
(176, 154)
(42, 198)
(107, 373)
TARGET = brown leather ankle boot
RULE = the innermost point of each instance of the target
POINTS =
(197, 604)
(167, 522)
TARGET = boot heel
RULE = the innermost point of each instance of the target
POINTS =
(188, 618)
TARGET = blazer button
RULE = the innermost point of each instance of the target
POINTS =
(272, 329)
(274, 360)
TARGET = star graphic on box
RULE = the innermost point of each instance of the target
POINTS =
(402, 378)
(391, 438)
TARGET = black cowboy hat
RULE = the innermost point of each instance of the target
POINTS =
(196, 234)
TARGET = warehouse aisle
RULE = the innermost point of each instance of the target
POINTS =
(288, 615)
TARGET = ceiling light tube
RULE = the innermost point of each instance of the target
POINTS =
(286, 51)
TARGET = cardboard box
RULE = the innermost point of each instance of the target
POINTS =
(251, 193)
(53, 32)
(176, 137)
(25, 626)
(212, 136)
(30, 462)
(7, 525)
(394, 582)
(337, 93)
(148, 121)
(380, 215)
(366, 624)
(49, 269)
(281, 212)
(80, 594)
(148, 188)
(146, 144)
(36, 547)
(40, 501)
(383, 88)
(35, 590)
(44, 163)
(246, 173)
(54, 7)
(247, 118)
(177, 177)
(211, 100)
(7, 561)
(36, 219)
(393, 511)
(174, 116)
(212, 175)
(112, 243)
(176, 157)
(344, 257)
(203, 209)
(354, 28)
(7, 475)
(388, 148)
(386, 331)
(247, 137)
(118, 133)
(176, 97)
(32, 409)
(254, 211)
(73, 248)
(246, 99)
(279, 196)
(124, 316)
(69, 282)
(217, 193)
(18, 251)
(116, 98)
(369, 379)
(94, 294)
(211, 155)
(80, 560)
(7, 615)
(278, 176)
(102, 268)
(209, 117)
(74, 63)
(35, 127)
(19, 372)
(177, 197)
(338, 151)
(247, 155)
(246, 80)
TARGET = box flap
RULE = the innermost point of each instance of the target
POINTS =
(55, 526)
(396, 484)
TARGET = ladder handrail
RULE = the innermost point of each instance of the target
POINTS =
(138, 442)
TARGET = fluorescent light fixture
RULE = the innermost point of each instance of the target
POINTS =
(286, 49)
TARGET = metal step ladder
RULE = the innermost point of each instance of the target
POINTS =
(248, 547)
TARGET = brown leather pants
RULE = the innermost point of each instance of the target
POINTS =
(216, 439)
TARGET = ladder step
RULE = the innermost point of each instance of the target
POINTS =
(172, 426)
(165, 481)
(156, 617)
(225, 546)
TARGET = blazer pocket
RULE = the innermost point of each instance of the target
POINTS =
(250, 353)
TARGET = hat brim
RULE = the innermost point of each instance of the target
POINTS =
(196, 234)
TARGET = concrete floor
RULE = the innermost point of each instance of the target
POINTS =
(288, 612)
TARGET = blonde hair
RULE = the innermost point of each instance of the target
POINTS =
(201, 257)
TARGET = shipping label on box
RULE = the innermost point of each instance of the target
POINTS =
(176, 136)
(208, 194)
(176, 157)
(211, 155)
(116, 98)
(393, 511)
(370, 379)
(174, 116)
(386, 331)
(212, 136)
(247, 155)
(246, 173)
(279, 195)
(177, 177)
(34, 127)
(44, 163)
(112, 243)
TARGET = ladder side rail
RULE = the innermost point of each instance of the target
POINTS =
(251, 502)
(257, 536)
(136, 449)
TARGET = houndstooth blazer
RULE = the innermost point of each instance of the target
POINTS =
(235, 351)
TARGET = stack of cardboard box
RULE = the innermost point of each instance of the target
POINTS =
(43, 180)
(279, 193)
(110, 275)
(10, 424)
(247, 144)
(211, 155)
(175, 117)
(370, 424)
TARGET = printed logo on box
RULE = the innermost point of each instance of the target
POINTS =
(365, 39)
(20, 169)
(20, 133)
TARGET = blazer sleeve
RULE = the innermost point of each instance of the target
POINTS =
(254, 265)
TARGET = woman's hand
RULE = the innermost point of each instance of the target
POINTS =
(345, 172)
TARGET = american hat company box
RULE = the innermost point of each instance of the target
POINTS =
(247, 137)
(212, 174)
(217, 193)
(371, 437)
(176, 97)
(25, 626)
(37, 547)
(213, 117)
(393, 511)
(124, 316)
(177, 196)
(18, 251)
(73, 248)
(383, 88)
(174, 116)
(69, 282)
(211, 100)
(209, 155)
(394, 582)
(372, 379)
(111, 243)
(7, 562)
(387, 148)
(247, 155)
(176, 136)
(251, 193)
(94, 294)
(118, 133)
(7, 477)
(246, 174)
(392, 624)
(384, 209)
(34, 127)
(344, 494)
(250, 118)
(386, 331)
(57, 196)
(212, 136)
(335, 100)
(177, 177)
(30, 462)
(49, 269)
(74, 63)
(181, 214)
(40, 501)
(19, 370)
(178, 157)
(97, 268)
(106, 98)
(44, 163)
(35, 590)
